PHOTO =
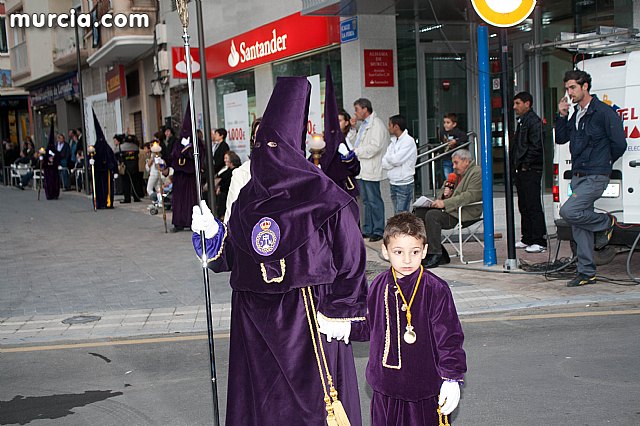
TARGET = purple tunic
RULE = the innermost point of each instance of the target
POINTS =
(50, 163)
(408, 376)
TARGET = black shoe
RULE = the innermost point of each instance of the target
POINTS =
(445, 257)
(580, 280)
(21, 186)
(177, 229)
(365, 235)
(125, 201)
(432, 261)
(602, 238)
(375, 238)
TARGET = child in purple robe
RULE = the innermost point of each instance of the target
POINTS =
(416, 360)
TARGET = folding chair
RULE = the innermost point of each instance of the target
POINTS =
(37, 179)
(15, 175)
(471, 226)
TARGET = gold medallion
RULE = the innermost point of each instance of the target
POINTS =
(410, 335)
(403, 308)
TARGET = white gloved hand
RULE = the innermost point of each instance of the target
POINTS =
(202, 220)
(449, 397)
(115, 175)
(339, 330)
(41, 158)
(343, 150)
(92, 161)
(185, 141)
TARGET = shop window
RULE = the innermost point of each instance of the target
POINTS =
(236, 83)
(4, 47)
(316, 64)
(133, 84)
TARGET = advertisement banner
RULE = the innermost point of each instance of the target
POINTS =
(236, 121)
(316, 122)
(378, 68)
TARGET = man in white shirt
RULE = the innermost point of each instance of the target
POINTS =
(400, 163)
(369, 145)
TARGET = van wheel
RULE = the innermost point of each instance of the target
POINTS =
(601, 257)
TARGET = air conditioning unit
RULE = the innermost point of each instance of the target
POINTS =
(161, 33)
(163, 61)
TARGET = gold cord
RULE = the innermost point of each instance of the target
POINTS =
(440, 416)
(387, 334)
(413, 296)
(283, 269)
(327, 400)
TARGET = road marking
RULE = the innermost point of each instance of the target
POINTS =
(545, 316)
(226, 335)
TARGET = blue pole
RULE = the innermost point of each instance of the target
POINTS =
(486, 154)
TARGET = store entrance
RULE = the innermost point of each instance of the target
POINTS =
(442, 84)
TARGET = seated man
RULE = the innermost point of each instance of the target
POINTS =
(443, 212)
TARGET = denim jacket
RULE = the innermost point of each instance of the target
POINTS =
(597, 143)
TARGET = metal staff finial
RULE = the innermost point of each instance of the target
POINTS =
(183, 12)
(181, 6)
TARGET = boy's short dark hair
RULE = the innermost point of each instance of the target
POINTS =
(452, 116)
(222, 132)
(524, 97)
(581, 77)
(398, 120)
(405, 223)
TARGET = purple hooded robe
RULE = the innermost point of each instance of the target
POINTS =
(50, 163)
(406, 378)
(290, 228)
(341, 169)
(184, 193)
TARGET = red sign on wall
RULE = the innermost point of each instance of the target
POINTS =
(178, 59)
(285, 37)
(378, 68)
(115, 82)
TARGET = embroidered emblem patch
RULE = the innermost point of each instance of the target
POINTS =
(265, 236)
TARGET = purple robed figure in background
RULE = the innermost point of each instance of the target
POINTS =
(342, 167)
(406, 378)
(50, 163)
(291, 228)
(185, 194)
(105, 167)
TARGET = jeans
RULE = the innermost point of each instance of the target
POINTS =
(64, 177)
(373, 207)
(578, 212)
(401, 197)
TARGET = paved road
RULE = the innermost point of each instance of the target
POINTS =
(564, 367)
(60, 260)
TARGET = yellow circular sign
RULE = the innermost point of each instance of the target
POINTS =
(503, 13)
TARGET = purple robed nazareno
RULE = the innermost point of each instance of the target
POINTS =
(50, 163)
(406, 382)
(184, 193)
(273, 375)
(105, 167)
(341, 169)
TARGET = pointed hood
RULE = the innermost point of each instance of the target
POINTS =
(182, 159)
(332, 134)
(287, 197)
(105, 158)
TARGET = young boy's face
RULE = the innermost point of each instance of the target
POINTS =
(448, 124)
(405, 253)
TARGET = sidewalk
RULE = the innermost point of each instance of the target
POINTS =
(109, 269)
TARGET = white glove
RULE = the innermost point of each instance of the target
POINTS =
(92, 161)
(52, 153)
(158, 160)
(343, 150)
(185, 141)
(115, 176)
(202, 220)
(339, 330)
(41, 158)
(449, 397)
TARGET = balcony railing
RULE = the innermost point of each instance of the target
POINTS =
(64, 51)
(19, 60)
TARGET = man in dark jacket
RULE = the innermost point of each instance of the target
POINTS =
(597, 141)
(127, 150)
(220, 147)
(527, 157)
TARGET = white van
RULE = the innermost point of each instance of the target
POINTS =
(616, 81)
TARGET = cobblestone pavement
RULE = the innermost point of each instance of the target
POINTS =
(116, 274)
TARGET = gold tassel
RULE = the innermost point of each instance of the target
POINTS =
(440, 416)
(340, 413)
(331, 417)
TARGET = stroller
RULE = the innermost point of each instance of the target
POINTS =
(155, 206)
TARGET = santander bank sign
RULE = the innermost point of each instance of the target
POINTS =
(286, 37)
